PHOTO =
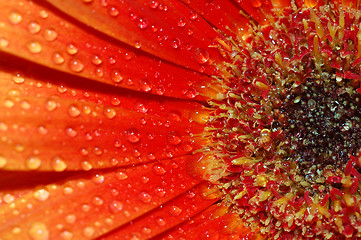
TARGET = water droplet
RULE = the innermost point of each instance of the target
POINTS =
(137, 45)
(58, 164)
(142, 23)
(145, 197)
(175, 116)
(50, 105)
(160, 221)
(88, 232)
(181, 22)
(50, 34)
(71, 49)
(76, 65)
(33, 163)
(74, 111)
(9, 103)
(159, 191)
(3, 161)
(15, 17)
(175, 211)
(115, 206)
(96, 60)
(57, 58)
(39, 231)
(191, 93)
(66, 235)
(34, 47)
(175, 43)
(159, 169)
(121, 175)
(140, 107)
(86, 166)
(173, 138)
(202, 56)
(132, 135)
(153, 4)
(68, 190)
(41, 195)
(4, 42)
(18, 78)
(113, 11)
(71, 132)
(145, 85)
(98, 201)
(43, 14)
(34, 27)
(109, 113)
(71, 218)
(116, 76)
(98, 179)
(115, 101)
(85, 207)
(99, 72)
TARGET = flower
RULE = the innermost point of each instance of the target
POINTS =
(179, 119)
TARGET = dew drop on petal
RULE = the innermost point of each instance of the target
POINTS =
(3, 161)
(71, 132)
(66, 235)
(115, 206)
(98, 201)
(34, 27)
(160, 221)
(71, 49)
(76, 65)
(50, 34)
(96, 60)
(18, 78)
(38, 231)
(159, 169)
(34, 47)
(140, 107)
(145, 85)
(33, 163)
(109, 113)
(15, 17)
(98, 179)
(57, 58)
(70, 219)
(88, 232)
(175, 211)
(159, 191)
(202, 56)
(173, 138)
(145, 197)
(43, 14)
(121, 175)
(41, 195)
(116, 76)
(4, 42)
(113, 11)
(132, 135)
(74, 111)
(58, 164)
(142, 23)
(86, 166)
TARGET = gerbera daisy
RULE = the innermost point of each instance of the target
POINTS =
(176, 119)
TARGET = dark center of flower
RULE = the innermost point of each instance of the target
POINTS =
(322, 123)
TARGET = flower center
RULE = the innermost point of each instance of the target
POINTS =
(288, 132)
(321, 123)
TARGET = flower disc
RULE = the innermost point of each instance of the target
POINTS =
(288, 130)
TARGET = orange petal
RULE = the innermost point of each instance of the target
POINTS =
(169, 30)
(223, 14)
(94, 203)
(33, 32)
(165, 216)
(53, 126)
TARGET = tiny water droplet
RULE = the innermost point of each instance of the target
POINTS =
(50, 105)
(132, 135)
(121, 175)
(50, 34)
(98, 201)
(113, 11)
(34, 27)
(202, 56)
(38, 231)
(43, 14)
(71, 132)
(142, 23)
(57, 58)
(173, 138)
(88, 232)
(115, 206)
(96, 60)
(33, 163)
(74, 111)
(160, 221)
(76, 65)
(41, 195)
(3, 161)
(175, 43)
(159, 191)
(175, 211)
(109, 113)
(58, 164)
(86, 166)
(145, 197)
(159, 169)
(98, 179)
(18, 78)
(34, 47)
(140, 107)
(71, 218)
(116, 76)
(145, 85)
(4, 42)
(71, 49)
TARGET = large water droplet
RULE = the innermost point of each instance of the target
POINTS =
(202, 56)
(76, 65)
(109, 112)
(50, 34)
(18, 78)
(58, 164)
(15, 17)
(34, 27)
(33, 163)
(34, 47)
(71, 49)
(57, 58)
(115, 206)
(74, 111)
(116, 76)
